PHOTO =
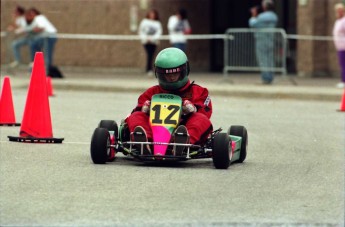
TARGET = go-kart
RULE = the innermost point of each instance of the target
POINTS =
(165, 114)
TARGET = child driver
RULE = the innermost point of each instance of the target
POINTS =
(172, 69)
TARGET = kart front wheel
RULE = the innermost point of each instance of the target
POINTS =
(221, 151)
(100, 146)
(238, 130)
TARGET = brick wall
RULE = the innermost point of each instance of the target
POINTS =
(316, 58)
(108, 17)
(113, 17)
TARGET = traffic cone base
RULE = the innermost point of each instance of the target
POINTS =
(10, 124)
(34, 140)
(7, 115)
(36, 126)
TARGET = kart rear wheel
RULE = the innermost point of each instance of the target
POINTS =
(99, 146)
(110, 125)
(238, 130)
(221, 151)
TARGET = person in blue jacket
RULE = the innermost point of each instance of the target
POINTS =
(264, 47)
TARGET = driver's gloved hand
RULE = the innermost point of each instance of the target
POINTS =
(188, 107)
(146, 107)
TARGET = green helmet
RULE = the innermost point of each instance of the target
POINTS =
(168, 61)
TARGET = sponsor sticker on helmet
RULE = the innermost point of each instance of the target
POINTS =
(176, 70)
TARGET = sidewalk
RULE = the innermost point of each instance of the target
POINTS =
(234, 85)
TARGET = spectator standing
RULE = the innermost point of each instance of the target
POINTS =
(264, 47)
(339, 39)
(150, 31)
(45, 35)
(19, 23)
(178, 27)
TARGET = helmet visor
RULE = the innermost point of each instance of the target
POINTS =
(171, 75)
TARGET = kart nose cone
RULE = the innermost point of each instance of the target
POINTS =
(160, 134)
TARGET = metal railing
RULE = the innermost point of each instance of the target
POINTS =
(254, 50)
(239, 46)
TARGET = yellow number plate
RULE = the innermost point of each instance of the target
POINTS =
(165, 110)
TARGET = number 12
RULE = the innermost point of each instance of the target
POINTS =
(167, 120)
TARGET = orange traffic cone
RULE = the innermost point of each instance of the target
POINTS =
(342, 104)
(49, 86)
(36, 124)
(7, 115)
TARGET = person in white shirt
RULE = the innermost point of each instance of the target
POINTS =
(178, 27)
(45, 35)
(150, 31)
(19, 23)
(339, 39)
(18, 19)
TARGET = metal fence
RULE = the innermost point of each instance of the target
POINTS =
(253, 50)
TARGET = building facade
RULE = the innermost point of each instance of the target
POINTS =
(122, 17)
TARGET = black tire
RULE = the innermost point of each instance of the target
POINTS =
(99, 146)
(238, 130)
(221, 151)
(110, 125)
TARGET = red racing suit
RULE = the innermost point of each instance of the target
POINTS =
(198, 123)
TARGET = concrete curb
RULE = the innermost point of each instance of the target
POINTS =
(241, 86)
(268, 94)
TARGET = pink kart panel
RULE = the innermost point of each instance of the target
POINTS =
(160, 134)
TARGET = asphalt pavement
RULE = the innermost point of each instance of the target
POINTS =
(293, 174)
(234, 84)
